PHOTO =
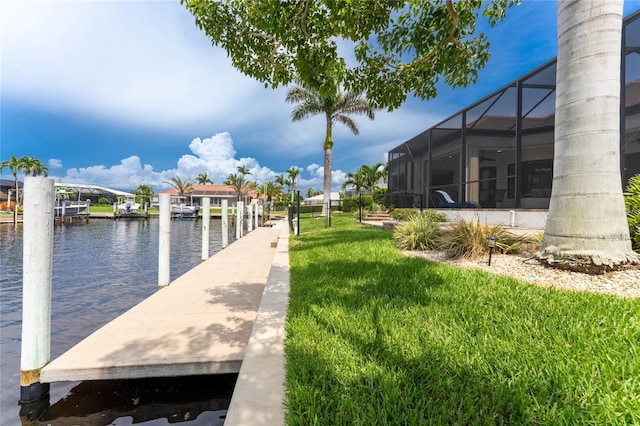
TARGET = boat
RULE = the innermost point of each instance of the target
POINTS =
(179, 208)
(184, 210)
(127, 207)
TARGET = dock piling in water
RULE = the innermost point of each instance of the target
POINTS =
(239, 215)
(37, 263)
(164, 241)
(206, 220)
(225, 223)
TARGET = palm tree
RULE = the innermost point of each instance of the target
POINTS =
(270, 190)
(14, 164)
(243, 170)
(182, 186)
(34, 166)
(586, 226)
(203, 179)
(282, 181)
(240, 184)
(143, 192)
(293, 173)
(355, 180)
(312, 192)
(371, 175)
(336, 108)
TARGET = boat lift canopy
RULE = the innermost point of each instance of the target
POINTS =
(92, 190)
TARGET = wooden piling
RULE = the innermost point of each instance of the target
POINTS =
(239, 214)
(206, 220)
(225, 223)
(249, 218)
(257, 217)
(37, 261)
(164, 242)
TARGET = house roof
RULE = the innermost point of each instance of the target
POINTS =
(319, 199)
(9, 183)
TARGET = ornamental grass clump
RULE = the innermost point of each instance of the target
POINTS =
(468, 239)
(418, 233)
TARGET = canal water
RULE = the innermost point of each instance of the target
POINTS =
(100, 270)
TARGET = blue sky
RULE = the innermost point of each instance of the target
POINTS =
(123, 93)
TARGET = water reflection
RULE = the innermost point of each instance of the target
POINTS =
(100, 269)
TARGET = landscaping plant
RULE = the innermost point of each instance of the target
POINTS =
(468, 239)
(632, 202)
(419, 232)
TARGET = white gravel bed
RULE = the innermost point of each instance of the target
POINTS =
(525, 267)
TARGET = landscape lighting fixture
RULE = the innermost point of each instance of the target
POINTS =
(492, 244)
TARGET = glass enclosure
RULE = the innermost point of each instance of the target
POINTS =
(498, 153)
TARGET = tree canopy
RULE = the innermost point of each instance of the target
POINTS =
(398, 47)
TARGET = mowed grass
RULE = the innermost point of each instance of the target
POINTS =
(376, 338)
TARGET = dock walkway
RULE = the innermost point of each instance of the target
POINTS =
(199, 324)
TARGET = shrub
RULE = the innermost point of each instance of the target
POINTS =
(353, 204)
(402, 215)
(380, 196)
(418, 233)
(356, 214)
(103, 201)
(378, 207)
(468, 239)
(3, 205)
(632, 201)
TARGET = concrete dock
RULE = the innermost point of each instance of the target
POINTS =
(199, 324)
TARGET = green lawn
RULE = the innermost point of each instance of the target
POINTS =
(374, 337)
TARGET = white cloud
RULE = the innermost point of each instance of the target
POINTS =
(214, 155)
(105, 63)
(54, 163)
(311, 168)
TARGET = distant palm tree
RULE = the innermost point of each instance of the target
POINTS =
(203, 179)
(240, 184)
(293, 172)
(143, 192)
(270, 190)
(281, 180)
(34, 166)
(182, 186)
(371, 175)
(336, 108)
(243, 170)
(312, 192)
(14, 164)
(354, 180)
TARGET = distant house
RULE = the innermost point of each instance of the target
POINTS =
(216, 193)
(319, 199)
(7, 185)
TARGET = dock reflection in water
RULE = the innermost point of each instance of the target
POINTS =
(100, 270)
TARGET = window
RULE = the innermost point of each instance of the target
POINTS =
(537, 176)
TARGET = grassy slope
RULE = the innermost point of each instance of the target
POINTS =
(374, 337)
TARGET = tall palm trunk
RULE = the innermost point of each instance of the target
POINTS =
(328, 156)
(586, 227)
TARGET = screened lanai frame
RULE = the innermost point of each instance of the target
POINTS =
(498, 152)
